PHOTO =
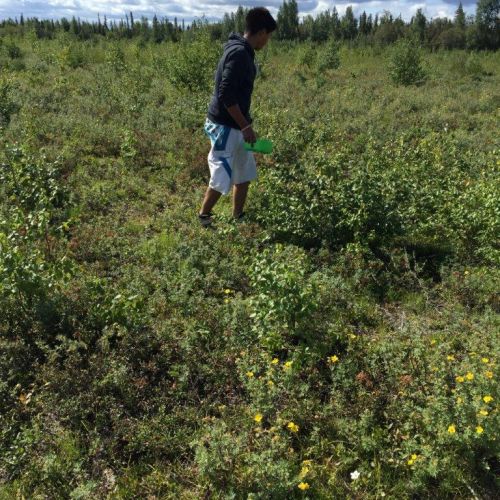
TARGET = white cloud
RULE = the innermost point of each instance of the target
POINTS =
(417, 6)
(189, 9)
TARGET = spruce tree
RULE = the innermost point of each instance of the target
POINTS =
(240, 20)
(132, 23)
(460, 17)
(487, 13)
(488, 24)
(293, 13)
(349, 24)
(336, 29)
(74, 26)
(288, 20)
(157, 38)
(419, 23)
(363, 27)
(369, 24)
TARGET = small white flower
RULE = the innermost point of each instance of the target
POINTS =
(354, 475)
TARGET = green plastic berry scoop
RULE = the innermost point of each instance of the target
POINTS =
(264, 146)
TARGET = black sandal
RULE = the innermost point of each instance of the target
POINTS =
(205, 219)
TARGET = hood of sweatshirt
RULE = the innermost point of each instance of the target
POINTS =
(236, 39)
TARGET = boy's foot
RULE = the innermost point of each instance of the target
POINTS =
(240, 218)
(206, 219)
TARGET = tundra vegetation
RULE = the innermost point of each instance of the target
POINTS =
(343, 342)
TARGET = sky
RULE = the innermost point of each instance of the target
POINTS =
(212, 9)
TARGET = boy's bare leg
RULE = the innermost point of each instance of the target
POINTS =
(239, 197)
(211, 198)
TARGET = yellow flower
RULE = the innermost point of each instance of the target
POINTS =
(258, 418)
(275, 361)
(333, 359)
(307, 462)
(293, 427)
(304, 471)
(451, 429)
(485, 360)
(414, 456)
(352, 336)
(433, 341)
(459, 400)
(227, 291)
(487, 399)
(410, 462)
(450, 357)
(270, 383)
(479, 429)
(287, 365)
(484, 413)
(466, 273)
(469, 376)
(489, 374)
(226, 301)
(459, 379)
(303, 486)
(249, 374)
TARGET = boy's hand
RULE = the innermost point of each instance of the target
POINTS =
(237, 115)
(249, 135)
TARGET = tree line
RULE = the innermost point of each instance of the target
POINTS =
(157, 30)
(479, 31)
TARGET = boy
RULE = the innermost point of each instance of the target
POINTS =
(228, 122)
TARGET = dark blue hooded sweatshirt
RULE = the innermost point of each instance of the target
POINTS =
(233, 81)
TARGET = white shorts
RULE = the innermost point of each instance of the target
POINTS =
(229, 162)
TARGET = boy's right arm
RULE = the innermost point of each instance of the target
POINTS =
(237, 115)
(227, 92)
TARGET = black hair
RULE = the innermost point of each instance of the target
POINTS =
(259, 18)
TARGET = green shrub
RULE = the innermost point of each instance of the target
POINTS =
(283, 301)
(13, 51)
(220, 453)
(28, 269)
(386, 195)
(307, 55)
(329, 57)
(7, 104)
(115, 57)
(473, 67)
(190, 65)
(405, 66)
(72, 56)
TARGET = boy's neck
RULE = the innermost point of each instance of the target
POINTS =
(250, 39)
